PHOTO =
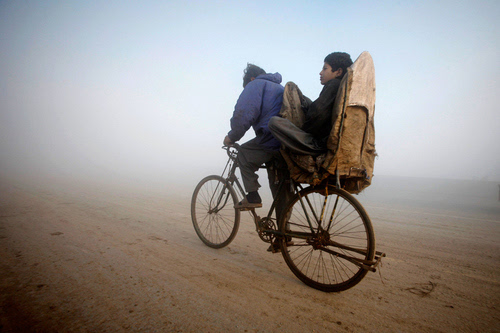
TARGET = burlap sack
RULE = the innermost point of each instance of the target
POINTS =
(351, 145)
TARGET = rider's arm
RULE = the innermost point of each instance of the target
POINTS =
(228, 141)
(247, 110)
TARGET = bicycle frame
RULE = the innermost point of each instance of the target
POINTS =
(232, 165)
(232, 179)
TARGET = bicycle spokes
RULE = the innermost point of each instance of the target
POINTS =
(219, 199)
(332, 244)
(213, 214)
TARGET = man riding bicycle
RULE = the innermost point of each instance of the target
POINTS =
(260, 100)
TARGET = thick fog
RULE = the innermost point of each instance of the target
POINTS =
(143, 91)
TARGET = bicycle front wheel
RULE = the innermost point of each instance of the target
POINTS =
(214, 217)
(329, 237)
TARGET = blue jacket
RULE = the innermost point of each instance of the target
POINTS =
(260, 100)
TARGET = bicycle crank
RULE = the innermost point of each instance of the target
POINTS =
(264, 226)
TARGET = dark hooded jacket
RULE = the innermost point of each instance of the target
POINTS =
(318, 117)
(260, 100)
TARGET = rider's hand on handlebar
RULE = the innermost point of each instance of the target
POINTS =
(227, 141)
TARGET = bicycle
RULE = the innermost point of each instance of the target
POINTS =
(325, 235)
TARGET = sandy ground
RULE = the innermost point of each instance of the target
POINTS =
(114, 259)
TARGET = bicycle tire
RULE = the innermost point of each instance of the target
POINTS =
(350, 229)
(214, 217)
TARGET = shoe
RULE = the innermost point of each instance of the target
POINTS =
(252, 200)
(275, 247)
(245, 205)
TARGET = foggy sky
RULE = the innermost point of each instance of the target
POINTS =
(145, 90)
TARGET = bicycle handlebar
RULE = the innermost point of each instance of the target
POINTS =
(233, 145)
(232, 153)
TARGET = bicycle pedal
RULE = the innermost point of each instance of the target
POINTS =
(245, 205)
(274, 248)
(244, 209)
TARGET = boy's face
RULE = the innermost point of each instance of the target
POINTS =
(326, 74)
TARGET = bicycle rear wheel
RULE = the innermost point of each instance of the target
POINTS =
(329, 237)
(214, 217)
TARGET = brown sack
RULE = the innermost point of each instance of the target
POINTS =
(351, 145)
(291, 108)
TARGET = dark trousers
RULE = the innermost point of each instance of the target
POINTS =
(250, 157)
(294, 138)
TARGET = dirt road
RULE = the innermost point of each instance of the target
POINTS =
(93, 259)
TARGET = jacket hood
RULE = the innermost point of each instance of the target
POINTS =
(276, 77)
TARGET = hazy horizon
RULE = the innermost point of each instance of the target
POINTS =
(144, 91)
